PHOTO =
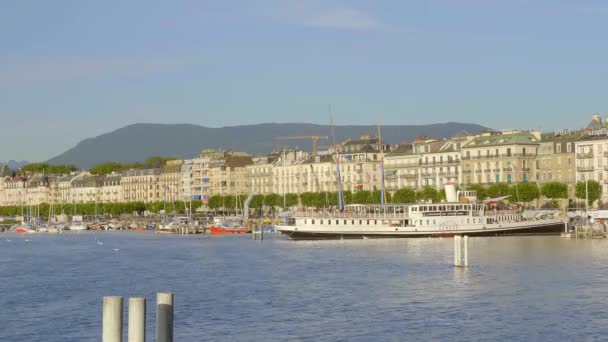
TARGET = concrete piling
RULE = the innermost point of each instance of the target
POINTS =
(137, 319)
(164, 317)
(112, 319)
(461, 251)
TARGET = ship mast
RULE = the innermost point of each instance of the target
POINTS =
(339, 178)
(381, 148)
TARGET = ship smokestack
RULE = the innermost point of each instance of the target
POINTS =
(450, 192)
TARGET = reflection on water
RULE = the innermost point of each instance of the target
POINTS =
(232, 288)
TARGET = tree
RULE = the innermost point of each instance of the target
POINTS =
(107, 168)
(525, 192)
(291, 200)
(554, 190)
(498, 190)
(593, 188)
(404, 195)
(480, 189)
(215, 202)
(47, 169)
(362, 197)
(257, 201)
(273, 200)
(427, 194)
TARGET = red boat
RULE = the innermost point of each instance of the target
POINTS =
(227, 230)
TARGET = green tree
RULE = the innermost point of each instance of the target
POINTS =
(525, 192)
(215, 202)
(107, 168)
(593, 188)
(362, 197)
(47, 169)
(427, 194)
(498, 190)
(404, 195)
(257, 201)
(554, 190)
(291, 200)
(480, 189)
(273, 200)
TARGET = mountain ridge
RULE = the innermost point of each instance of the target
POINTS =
(136, 142)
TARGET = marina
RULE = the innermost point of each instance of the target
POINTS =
(233, 288)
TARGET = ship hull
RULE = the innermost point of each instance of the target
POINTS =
(533, 228)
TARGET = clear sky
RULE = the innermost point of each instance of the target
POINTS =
(75, 69)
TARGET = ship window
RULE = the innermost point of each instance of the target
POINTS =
(313, 221)
(353, 222)
(368, 222)
(321, 221)
(361, 222)
(344, 221)
(305, 221)
(375, 221)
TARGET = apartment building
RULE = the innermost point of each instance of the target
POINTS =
(169, 181)
(505, 157)
(592, 154)
(111, 188)
(228, 175)
(141, 185)
(186, 180)
(556, 160)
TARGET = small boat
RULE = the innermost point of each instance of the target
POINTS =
(77, 226)
(227, 230)
(24, 230)
(227, 226)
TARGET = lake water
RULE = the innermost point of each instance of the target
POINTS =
(234, 289)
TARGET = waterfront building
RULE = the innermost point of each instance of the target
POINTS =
(200, 173)
(169, 181)
(260, 177)
(141, 185)
(37, 190)
(86, 188)
(556, 160)
(15, 191)
(439, 161)
(228, 175)
(111, 189)
(186, 180)
(500, 157)
(402, 168)
(592, 154)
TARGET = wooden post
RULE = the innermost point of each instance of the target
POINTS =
(137, 319)
(112, 319)
(164, 317)
(261, 233)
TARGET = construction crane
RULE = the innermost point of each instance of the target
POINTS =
(313, 138)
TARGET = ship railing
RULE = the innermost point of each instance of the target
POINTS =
(501, 212)
(347, 215)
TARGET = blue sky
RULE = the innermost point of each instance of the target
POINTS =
(75, 69)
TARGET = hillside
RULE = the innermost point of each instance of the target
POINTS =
(136, 142)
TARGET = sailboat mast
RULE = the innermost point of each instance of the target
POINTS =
(339, 178)
(381, 148)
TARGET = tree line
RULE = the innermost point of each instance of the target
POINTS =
(523, 192)
(114, 209)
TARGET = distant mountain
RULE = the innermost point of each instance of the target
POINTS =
(138, 141)
(14, 164)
